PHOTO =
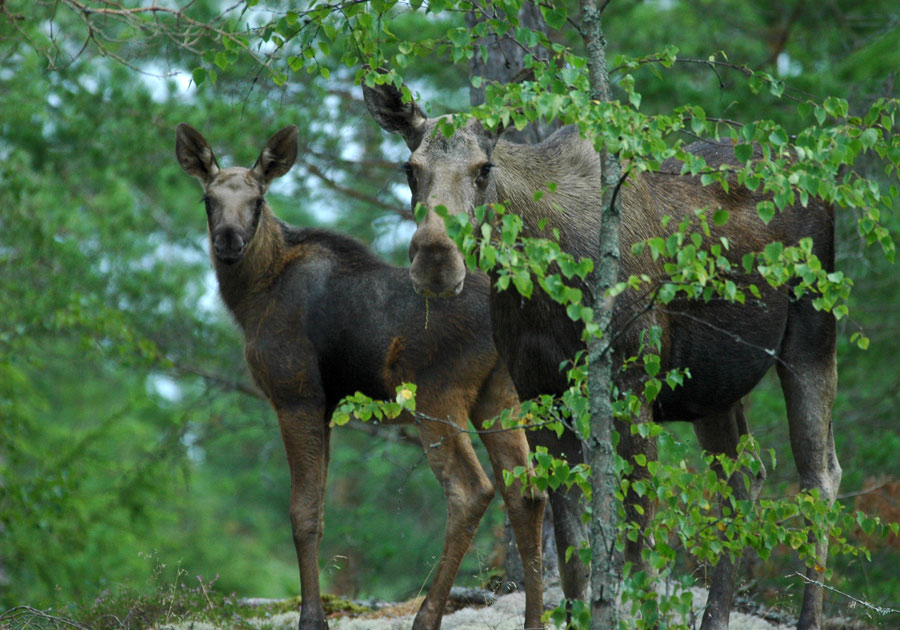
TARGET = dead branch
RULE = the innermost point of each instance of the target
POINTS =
(881, 610)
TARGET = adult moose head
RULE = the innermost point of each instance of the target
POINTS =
(323, 318)
(454, 172)
(726, 347)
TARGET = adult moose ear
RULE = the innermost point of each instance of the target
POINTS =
(385, 103)
(194, 154)
(277, 157)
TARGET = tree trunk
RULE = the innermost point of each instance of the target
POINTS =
(504, 62)
(606, 562)
(506, 59)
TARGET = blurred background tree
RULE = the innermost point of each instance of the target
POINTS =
(130, 433)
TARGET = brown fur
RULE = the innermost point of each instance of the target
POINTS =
(727, 347)
(322, 317)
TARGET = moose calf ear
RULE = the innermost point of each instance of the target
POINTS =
(278, 156)
(194, 154)
(385, 104)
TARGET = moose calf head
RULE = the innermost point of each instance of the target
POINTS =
(234, 196)
(452, 172)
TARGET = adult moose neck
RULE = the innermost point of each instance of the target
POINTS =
(560, 168)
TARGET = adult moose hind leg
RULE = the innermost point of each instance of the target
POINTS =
(507, 450)
(306, 441)
(468, 491)
(567, 506)
(809, 380)
(720, 434)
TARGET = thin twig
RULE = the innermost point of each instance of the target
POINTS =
(860, 493)
(881, 610)
(22, 614)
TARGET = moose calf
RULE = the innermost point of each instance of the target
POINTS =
(322, 318)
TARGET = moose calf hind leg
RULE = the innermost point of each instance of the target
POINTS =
(507, 450)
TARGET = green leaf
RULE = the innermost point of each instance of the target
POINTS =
(773, 251)
(555, 17)
(666, 292)
(651, 364)
(651, 389)
(766, 210)
(221, 59)
(743, 152)
(778, 137)
(522, 280)
(869, 137)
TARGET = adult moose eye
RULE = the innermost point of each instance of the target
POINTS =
(410, 176)
(483, 173)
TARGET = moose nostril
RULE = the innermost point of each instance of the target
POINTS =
(423, 290)
(453, 291)
(228, 245)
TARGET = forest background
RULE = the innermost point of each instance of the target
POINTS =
(132, 441)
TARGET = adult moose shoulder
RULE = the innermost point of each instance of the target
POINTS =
(322, 318)
(727, 347)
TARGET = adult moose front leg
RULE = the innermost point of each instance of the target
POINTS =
(809, 381)
(306, 438)
(720, 434)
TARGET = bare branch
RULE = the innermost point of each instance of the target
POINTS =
(881, 610)
(353, 193)
(865, 491)
(221, 381)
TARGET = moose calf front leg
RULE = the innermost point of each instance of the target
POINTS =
(306, 442)
(469, 492)
(508, 450)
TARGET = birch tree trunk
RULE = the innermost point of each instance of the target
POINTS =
(606, 562)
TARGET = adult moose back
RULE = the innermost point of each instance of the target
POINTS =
(322, 318)
(727, 347)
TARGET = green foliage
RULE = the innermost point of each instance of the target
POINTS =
(128, 421)
(365, 408)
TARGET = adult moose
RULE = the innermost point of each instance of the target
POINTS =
(727, 347)
(322, 318)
